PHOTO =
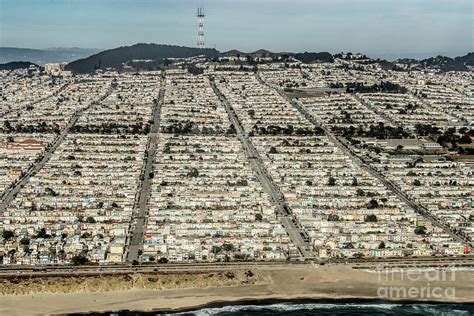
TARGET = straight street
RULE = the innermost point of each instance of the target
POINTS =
(296, 234)
(141, 207)
(388, 184)
(49, 150)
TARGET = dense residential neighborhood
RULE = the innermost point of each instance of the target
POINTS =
(223, 161)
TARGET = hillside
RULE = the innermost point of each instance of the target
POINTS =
(16, 65)
(43, 56)
(314, 57)
(467, 60)
(115, 58)
(442, 63)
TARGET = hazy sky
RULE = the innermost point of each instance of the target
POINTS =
(376, 27)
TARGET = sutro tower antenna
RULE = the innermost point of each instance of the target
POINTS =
(200, 34)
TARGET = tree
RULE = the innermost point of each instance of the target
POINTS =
(273, 150)
(42, 234)
(382, 245)
(163, 260)
(228, 247)
(354, 182)
(333, 218)
(258, 217)
(465, 139)
(90, 220)
(331, 181)
(193, 173)
(7, 125)
(8, 234)
(371, 218)
(420, 230)
(417, 182)
(216, 249)
(373, 204)
(79, 260)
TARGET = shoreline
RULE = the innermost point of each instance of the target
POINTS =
(276, 300)
(158, 293)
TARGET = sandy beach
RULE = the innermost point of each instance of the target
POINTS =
(175, 292)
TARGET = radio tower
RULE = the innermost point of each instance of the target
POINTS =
(200, 35)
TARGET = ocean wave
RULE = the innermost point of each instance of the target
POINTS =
(337, 308)
(288, 307)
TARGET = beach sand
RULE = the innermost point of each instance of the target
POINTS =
(305, 282)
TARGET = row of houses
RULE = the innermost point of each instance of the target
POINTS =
(191, 106)
(206, 204)
(260, 109)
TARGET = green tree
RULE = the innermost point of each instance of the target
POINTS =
(25, 241)
(228, 247)
(79, 260)
(193, 173)
(373, 204)
(420, 230)
(371, 218)
(42, 234)
(163, 260)
(216, 249)
(8, 234)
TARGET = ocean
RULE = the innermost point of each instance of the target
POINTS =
(337, 309)
(306, 307)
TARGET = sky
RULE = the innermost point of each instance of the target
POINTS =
(403, 28)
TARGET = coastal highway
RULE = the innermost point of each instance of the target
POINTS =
(49, 150)
(113, 269)
(296, 233)
(141, 207)
(146, 268)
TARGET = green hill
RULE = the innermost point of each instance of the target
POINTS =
(16, 65)
(115, 58)
(467, 60)
(315, 57)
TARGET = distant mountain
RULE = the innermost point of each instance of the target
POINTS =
(115, 58)
(43, 56)
(16, 65)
